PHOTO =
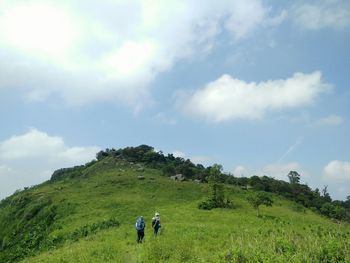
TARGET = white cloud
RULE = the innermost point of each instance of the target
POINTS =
(274, 21)
(179, 154)
(78, 154)
(323, 14)
(111, 50)
(337, 170)
(331, 120)
(228, 98)
(238, 22)
(280, 171)
(32, 144)
(37, 28)
(277, 171)
(37, 144)
(241, 171)
(31, 158)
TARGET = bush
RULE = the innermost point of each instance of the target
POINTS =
(210, 204)
(91, 229)
(284, 246)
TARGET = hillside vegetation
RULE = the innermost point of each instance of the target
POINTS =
(87, 214)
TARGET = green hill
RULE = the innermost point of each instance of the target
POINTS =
(87, 214)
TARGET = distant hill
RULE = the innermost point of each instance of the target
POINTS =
(87, 214)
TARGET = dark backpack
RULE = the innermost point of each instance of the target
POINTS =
(140, 225)
(156, 223)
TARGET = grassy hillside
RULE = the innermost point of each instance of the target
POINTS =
(88, 215)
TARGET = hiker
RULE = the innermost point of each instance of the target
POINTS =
(140, 228)
(156, 223)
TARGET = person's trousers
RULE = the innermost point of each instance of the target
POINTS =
(140, 235)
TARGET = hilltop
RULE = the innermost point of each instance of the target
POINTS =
(87, 214)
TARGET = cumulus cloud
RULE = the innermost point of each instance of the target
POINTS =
(323, 14)
(37, 144)
(337, 170)
(31, 144)
(331, 120)
(31, 158)
(228, 98)
(111, 51)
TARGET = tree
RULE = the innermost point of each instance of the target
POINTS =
(217, 192)
(325, 194)
(347, 202)
(169, 169)
(258, 199)
(217, 195)
(333, 210)
(294, 177)
(100, 155)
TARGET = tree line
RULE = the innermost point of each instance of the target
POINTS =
(317, 200)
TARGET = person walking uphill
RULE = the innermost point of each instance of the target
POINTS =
(156, 223)
(140, 228)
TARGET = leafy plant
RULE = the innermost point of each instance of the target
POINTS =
(258, 199)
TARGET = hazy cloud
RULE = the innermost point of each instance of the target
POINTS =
(280, 171)
(331, 120)
(228, 98)
(337, 170)
(323, 14)
(94, 51)
(241, 171)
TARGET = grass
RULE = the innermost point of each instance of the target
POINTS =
(112, 190)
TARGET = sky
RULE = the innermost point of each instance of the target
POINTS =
(259, 86)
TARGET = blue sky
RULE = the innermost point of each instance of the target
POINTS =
(260, 87)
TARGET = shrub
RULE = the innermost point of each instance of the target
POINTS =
(284, 246)
(210, 204)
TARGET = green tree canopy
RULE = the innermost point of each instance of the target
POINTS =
(294, 177)
(258, 199)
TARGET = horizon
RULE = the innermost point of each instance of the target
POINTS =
(257, 86)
